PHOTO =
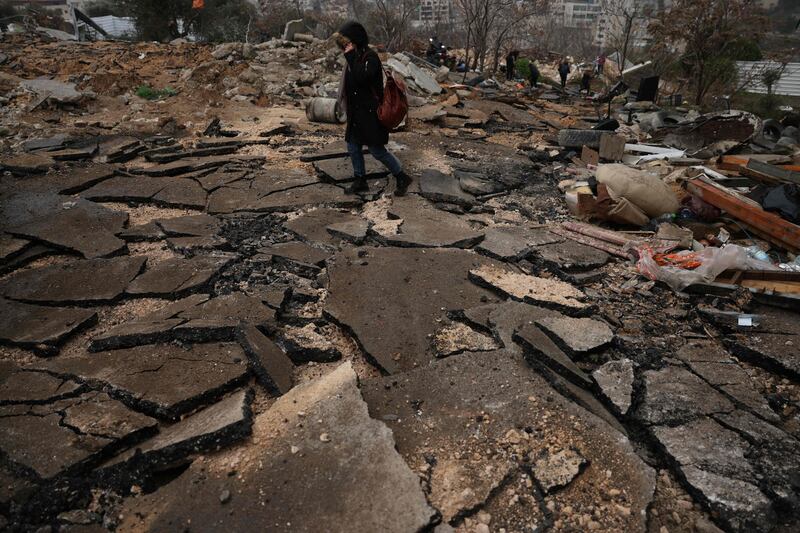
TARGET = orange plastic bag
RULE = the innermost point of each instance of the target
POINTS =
(198, 4)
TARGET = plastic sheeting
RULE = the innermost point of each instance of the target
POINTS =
(712, 263)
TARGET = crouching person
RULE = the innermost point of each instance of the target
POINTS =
(360, 93)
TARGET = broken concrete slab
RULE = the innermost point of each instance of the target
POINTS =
(215, 180)
(235, 307)
(756, 430)
(712, 363)
(266, 182)
(11, 246)
(24, 164)
(402, 292)
(439, 187)
(74, 154)
(173, 192)
(458, 338)
(53, 91)
(506, 411)
(705, 444)
(149, 231)
(674, 395)
(522, 287)
(297, 253)
(459, 486)
(190, 226)
(780, 353)
(557, 470)
(540, 350)
(477, 184)
(177, 276)
(740, 506)
(316, 444)
(181, 193)
(45, 143)
(504, 319)
(354, 231)
(510, 243)
(84, 227)
(18, 386)
(571, 256)
(32, 325)
(195, 245)
(226, 200)
(312, 225)
(124, 189)
(194, 319)
(309, 343)
(185, 166)
(87, 281)
(70, 434)
(427, 227)
(227, 421)
(27, 255)
(615, 379)
(268, 362)
(505, 111)
(578, 335)
(80, 179)
(714, 460)
(163, 381)
(341, 170)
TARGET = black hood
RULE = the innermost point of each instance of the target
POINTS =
(355, 32)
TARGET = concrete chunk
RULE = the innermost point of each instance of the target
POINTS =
(272, 367)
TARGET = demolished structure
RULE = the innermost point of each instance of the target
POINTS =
(560, 328)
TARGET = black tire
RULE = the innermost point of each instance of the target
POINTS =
(607, 124)
(772, 129)
(580, 138)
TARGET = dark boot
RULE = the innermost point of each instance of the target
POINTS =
(403, 181)
(358, 185)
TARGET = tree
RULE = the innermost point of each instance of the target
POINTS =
(220, 20)
(390, 21)
(707, 37)
(625, 25)
(490, 24)
(101, 8)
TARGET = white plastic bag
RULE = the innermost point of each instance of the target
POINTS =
(714, 261)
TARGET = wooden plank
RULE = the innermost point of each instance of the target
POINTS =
(589, 156)
(774, 172)
(767, 225)
(612, 147)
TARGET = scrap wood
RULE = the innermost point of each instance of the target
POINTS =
(765, 224)
(756, 169)
(773, 280)
(591, 241)
(606, 235)
(760, 170)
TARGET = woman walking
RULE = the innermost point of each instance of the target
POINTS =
(360, 93)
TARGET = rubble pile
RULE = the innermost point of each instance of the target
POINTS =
(556, 329)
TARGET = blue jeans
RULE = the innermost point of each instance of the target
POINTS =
(378, 152)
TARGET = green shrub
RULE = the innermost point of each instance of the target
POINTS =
(148, 93)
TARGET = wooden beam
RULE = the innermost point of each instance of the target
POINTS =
(767, 225)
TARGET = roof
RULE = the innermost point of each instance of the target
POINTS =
(116, 26)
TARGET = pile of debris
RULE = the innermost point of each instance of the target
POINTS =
(190, 303)
(714, 196)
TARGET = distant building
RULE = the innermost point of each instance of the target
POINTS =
(434, 12)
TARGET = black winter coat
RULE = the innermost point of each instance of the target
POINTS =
(363, 85)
